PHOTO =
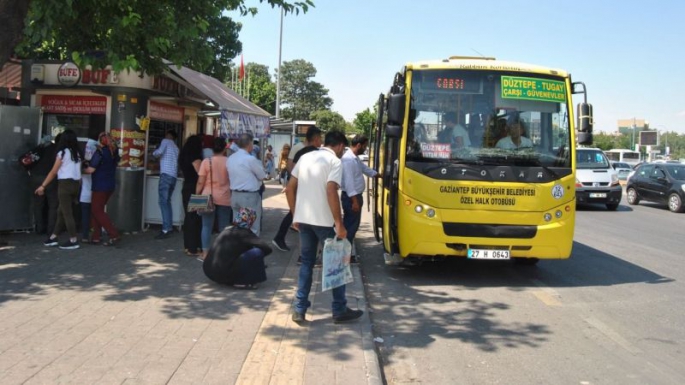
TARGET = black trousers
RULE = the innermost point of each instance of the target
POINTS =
(283, 229)
(192, 224)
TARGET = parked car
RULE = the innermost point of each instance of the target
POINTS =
(622, 169)
(364, 157)
(596, 180)
(658, 182)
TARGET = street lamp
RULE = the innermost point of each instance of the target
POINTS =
(278, 80)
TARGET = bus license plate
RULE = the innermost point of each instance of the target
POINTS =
(598, 195)
(488, 254)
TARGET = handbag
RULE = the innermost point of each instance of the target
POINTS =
(203, 204)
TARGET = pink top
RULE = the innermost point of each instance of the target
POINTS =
(220, 188)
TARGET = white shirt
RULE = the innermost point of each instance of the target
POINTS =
(313, 172)
(508, 144)
(69, 169)
(245, 172)
(354, 169)
(458, 131)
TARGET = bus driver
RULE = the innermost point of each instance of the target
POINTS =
(515, 139)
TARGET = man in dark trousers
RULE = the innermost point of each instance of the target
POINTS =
(313, 142)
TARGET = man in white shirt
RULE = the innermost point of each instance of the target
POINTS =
(515, 140)
(312, 194)
(245, 173)
(353, 185)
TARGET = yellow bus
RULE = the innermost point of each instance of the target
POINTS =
(477, 160)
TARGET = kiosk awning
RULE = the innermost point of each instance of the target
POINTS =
(223, 97)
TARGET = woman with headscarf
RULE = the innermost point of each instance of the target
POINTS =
(237, 255)
(103, 167)
(67, 170)
(189, 162)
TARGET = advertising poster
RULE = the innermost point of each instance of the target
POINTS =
(131, 145)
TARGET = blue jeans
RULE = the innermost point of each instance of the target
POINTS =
(224, 215)
(351, 220)
(310, 237)
(167, 183)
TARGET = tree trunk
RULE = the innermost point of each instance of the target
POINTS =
(12, 16)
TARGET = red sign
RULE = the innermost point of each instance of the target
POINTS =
(68, 74)
(80, 105)
(165, 112)
(95, 76)
(435, 150)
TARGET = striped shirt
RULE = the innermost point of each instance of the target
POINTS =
(168, 163)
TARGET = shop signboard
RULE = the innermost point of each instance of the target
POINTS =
(79, 105)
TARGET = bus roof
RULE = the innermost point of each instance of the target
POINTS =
(484, 63)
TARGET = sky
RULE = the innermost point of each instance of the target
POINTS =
(629, 54)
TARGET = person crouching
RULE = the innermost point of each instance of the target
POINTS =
(236, 257)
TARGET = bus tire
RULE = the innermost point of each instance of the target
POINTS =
(526, 261)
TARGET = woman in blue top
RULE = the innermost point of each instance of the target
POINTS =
(103, 167)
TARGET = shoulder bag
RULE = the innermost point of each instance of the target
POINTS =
(203, 204)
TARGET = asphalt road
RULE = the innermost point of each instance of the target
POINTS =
(611, 314)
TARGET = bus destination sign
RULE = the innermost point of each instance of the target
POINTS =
(516, 87)
(448, 82)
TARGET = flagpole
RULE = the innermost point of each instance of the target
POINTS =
(278, 80)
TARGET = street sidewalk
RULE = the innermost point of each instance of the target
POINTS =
(144, 313)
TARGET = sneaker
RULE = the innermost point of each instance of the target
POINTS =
(347, 316)
(280, 245)
(163, 235)
(294, 229)
(299, 260)
(298, 318)
(50, 242)
(318, 262)
(69, 245)
(353, 259)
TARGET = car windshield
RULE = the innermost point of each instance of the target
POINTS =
(589, 159)
(676, 172)
(488, 118)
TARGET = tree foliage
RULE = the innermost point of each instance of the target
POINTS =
(137, 34)
(363, 121)
(262, 90)
(300, 95)
(328, 120)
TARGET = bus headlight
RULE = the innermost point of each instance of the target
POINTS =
(430, 213)
(548, 217)
(558, 214)
(418, 209)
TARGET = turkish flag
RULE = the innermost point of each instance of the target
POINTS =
(241, 74)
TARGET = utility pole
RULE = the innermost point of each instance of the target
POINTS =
(633, 141)
(278, 80)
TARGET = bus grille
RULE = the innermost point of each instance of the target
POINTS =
(489, 231)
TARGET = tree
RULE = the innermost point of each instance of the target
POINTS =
(301, 96)
(262, 91)
(12, 15)
(132, 34)
(363, 121)
(328, 120)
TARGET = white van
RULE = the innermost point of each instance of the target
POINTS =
(596, 180)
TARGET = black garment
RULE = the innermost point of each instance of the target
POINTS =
(224, 264)
(303, 151)
(45, 206)
(190, 176)
(47, 160)
(192, 224)
(283, 229)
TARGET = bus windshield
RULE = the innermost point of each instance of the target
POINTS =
(489, 118)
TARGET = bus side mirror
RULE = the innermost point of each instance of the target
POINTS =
(393, 131)
(396, 104)
(584, 123)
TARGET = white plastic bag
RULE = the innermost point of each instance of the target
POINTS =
(336, 263)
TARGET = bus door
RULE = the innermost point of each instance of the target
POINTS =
(376, 187)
